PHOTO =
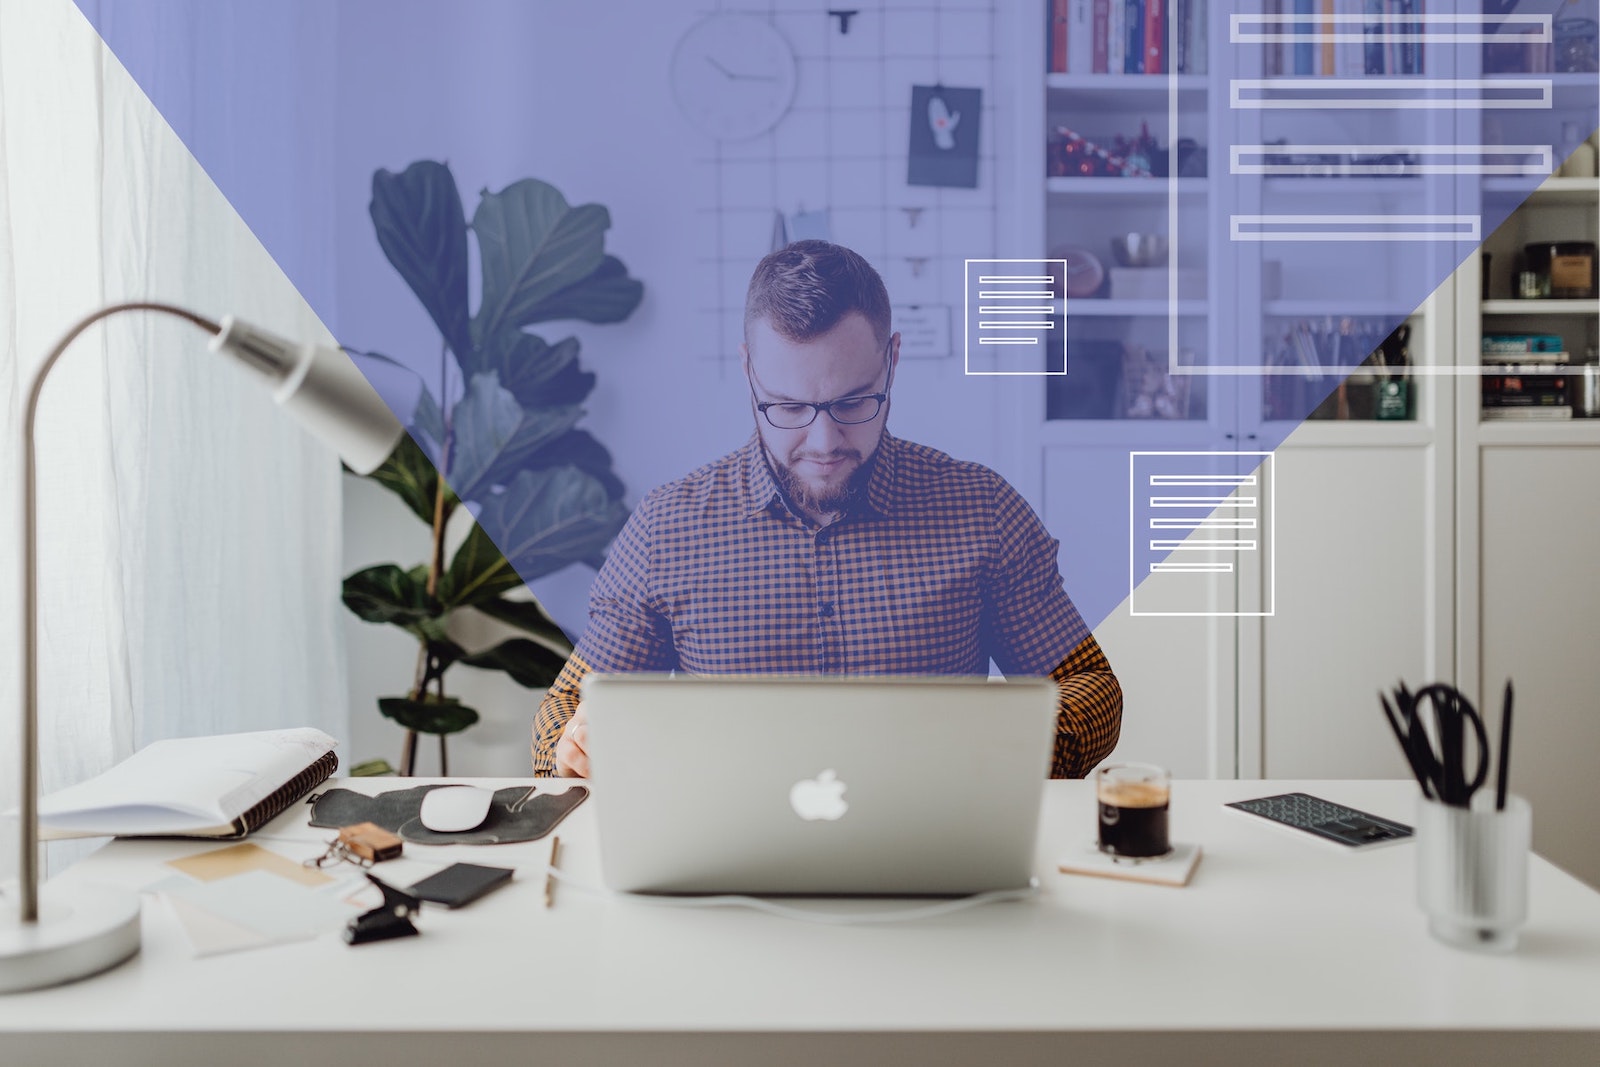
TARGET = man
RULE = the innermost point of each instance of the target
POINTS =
(826, 545)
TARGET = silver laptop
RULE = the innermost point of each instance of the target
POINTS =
(769, 785)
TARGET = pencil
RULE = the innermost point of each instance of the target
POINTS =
(550, 871)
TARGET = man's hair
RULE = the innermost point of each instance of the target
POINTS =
(805, 288)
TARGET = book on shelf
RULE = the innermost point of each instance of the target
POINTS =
(223, 786)
(1117, 38)
(1325, 58)
(1155, 31)
(1133, 54)
(1526, 363)
(1080, 36)
(1059, 36)
(1530, 414)
(1312, 50)
(1303, 57)
(1126, 36)
(1527, 347)
(1100, 16)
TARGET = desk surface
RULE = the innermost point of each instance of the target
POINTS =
(1274, 934)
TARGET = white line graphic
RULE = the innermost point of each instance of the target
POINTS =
(1477, 94)
(1202, 524)
(1014, 302)
(1179, 564)
(1202, 501)
(1202, 479)
(1517, 160)
(1356, 227)
(1507, 29)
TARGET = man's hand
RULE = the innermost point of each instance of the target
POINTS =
(572, 748)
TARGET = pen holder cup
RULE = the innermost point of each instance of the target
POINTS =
(1472, 871)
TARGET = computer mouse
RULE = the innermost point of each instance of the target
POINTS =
(451, 809)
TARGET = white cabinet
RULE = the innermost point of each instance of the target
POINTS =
(1432, 549)
(1528, 525)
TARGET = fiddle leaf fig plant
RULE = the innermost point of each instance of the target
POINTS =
(499, 421)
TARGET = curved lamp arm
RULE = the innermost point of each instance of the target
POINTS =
(317, 384)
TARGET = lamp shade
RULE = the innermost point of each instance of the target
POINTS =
(322, 389)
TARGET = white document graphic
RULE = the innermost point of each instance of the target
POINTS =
(1201, 533)
(1015, 316)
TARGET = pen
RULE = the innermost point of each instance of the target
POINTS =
(1504, 766)
(1407, 749)
(550, 871)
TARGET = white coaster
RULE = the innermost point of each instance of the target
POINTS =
(1175, 868)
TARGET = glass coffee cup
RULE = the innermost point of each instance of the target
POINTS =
(1133, 802)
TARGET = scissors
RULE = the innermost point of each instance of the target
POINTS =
(1442, 772)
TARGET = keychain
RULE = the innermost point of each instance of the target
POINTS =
(363, 844)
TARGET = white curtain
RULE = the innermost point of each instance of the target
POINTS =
(190, 534)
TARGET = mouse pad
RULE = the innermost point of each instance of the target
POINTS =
(510, 818)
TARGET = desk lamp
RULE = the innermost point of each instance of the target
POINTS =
(78, 931)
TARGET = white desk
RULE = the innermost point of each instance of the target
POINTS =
(1280, 951)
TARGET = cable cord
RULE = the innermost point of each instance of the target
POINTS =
(784, 911)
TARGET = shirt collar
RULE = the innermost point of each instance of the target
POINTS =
(761, 488)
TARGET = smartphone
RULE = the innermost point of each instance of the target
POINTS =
(460, 884)
(1349, 828)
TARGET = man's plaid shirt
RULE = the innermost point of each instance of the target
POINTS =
(937, 568)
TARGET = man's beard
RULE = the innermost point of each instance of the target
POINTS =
(821, 500)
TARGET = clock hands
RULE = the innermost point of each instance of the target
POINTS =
(731, 76)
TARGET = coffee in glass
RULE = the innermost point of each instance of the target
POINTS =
(1133, 801)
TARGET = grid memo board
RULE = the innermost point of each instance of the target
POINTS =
(842, 146)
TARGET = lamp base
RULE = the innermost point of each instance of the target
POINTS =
(82, 930)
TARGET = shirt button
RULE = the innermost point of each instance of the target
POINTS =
(827, 610)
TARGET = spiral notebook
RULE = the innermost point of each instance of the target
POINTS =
(225, 786)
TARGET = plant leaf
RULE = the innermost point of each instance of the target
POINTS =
(538, 428)
(429, 716)
(529, 663)
(579, 449)
(528, 615)
(536, 373)
(483, 424)
(422, 228)
(386, 593)
(607, 295)
(478, 572)
(547, 519)
(411, 476)
(533, 245)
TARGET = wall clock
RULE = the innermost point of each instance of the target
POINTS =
(733, 76)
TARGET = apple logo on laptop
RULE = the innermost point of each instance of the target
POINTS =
(821, 797)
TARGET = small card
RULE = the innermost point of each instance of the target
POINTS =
(1175, 868)
(238, 859)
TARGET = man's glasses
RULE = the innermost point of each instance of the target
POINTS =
(846, 411)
